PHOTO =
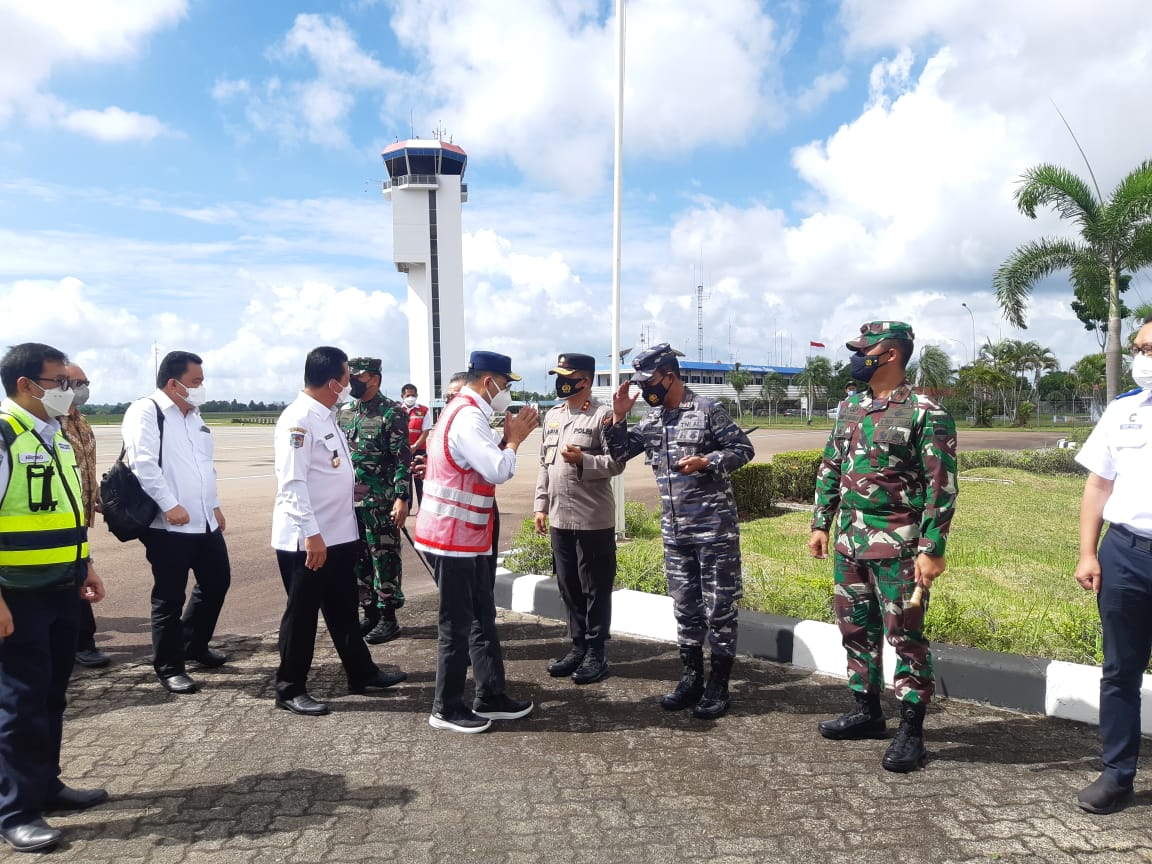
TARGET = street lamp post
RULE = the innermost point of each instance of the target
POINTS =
(973, 317)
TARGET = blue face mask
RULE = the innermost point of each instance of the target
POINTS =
(864, 366)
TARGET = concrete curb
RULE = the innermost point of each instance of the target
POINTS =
(1028, 684)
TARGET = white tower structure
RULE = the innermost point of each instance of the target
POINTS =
(426, 190)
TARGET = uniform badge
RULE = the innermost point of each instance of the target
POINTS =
(335, 460)
(296, 437)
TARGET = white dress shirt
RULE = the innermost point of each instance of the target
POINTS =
(474, 444)
(188, 475)
(1120, 449)
(314, 478)
(45, 430)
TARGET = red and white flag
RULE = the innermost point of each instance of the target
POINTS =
(815, 344)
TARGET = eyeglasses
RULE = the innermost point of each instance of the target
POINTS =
(79, 382)
(1146, 350)
(62, 382)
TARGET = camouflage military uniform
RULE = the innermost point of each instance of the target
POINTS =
(698, 517)
(377, 431)
(888, 481)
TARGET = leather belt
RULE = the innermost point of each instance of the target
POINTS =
(1136, 541)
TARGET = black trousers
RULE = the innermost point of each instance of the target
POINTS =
(85, 627)
(35, 665)
(332, 592)
(172, 555)
(585, 574)
(466, 629)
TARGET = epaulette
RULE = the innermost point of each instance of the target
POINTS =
(1131, 392)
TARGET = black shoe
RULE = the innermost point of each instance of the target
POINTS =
(715, 700)
(379, 681)
(303, 704)
(592, 669)
(32, 837)
(906, 752)
(459, 720)
(75, 799)
(502, 707)
(1104, 795)
(370, 619)
(92, 658)
(208, 658)
(569, 663)
(866, 720)
(385, 631)
(691, 686)
(178, 683)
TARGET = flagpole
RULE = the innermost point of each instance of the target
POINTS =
(617, 183)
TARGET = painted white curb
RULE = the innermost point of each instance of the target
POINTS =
(524, 593)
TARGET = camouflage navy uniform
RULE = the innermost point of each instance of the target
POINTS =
(698, 517)
(888, 481)
(377, 431)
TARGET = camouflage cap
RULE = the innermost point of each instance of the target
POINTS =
(876, 332)
(360, 365)
(662, 356)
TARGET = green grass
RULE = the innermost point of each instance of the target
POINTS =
(1008, 587)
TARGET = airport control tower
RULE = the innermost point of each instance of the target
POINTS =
(426, 190)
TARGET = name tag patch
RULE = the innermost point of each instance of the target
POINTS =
(34, 458)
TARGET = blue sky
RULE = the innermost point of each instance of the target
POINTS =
(205, 174)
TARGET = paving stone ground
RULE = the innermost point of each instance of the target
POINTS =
(597, 774)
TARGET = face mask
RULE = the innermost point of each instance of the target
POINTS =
(501, 400)
(566, 387)
(56, 402)
(410, 401)
(1142, 371)
(80, 395)
(345, 394)
(864, 367)
(654, 394)
(357, 388)
(196, 396)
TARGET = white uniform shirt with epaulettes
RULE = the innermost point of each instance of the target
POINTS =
(1120, 449)
(577, 496)
(314, 478)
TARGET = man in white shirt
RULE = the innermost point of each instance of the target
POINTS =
(466, 460)
(174, 463)
(316, 539)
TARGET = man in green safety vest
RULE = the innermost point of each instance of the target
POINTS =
(45, 573)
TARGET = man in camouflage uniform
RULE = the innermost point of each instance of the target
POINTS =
(377, 430)
(693, 446)
(888, 480)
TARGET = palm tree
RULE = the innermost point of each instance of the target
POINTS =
(932, 369)
(773, 389)
(739, 380)
(815, 378)
(1115, 239)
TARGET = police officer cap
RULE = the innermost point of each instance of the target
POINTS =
(662, 356)
(360, 365)
(566, 364)
(490, 361)
(875, 332)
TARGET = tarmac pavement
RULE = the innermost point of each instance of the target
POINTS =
(597, 774)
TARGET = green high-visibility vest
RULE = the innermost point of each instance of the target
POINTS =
(43, 537)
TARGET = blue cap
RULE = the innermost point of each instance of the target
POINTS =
(646, 363)
(490, 361)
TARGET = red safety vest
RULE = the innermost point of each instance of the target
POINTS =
(456, 509)
(416, 415)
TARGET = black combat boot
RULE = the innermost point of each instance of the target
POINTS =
(569, 663)
(906, 752)
(691, 686)
(866, 720)
(385, 630)
(371, 619)
(593, 668)
(714, 703)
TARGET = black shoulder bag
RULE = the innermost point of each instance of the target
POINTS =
(128, 510)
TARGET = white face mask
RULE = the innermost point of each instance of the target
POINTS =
(1142, 371)
(410, 401)
(501, 400)
(56, 402)
(80, 395)
(345, 395)
(195, 396)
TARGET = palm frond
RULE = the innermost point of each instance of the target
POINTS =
(1131, 202)
(1029, 264)
(1053, 186)
(1138, 255)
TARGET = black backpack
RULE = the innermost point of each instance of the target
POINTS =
(127, 509)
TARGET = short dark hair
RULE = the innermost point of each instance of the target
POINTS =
(27, 360)
(323, 365)
(904, 348)
(411, 387)
(670, 365)
(174, 364)
(1148, 320)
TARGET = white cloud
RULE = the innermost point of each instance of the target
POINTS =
(114, 124)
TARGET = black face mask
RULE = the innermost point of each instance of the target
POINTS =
(359, 388)
(566, 387)
(654, 393)
(864, 367)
